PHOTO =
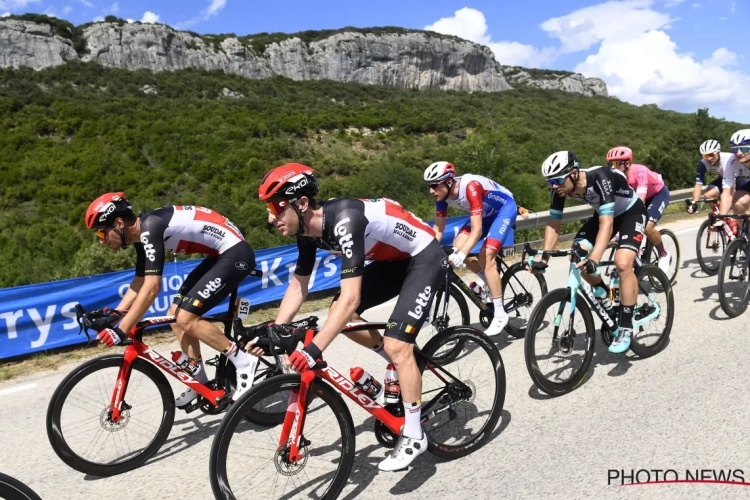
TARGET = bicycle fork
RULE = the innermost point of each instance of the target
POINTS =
(123, 377)
(294, 421)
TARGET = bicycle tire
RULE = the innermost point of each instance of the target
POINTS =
(727, 264)
(267, 418)
(480, 438)
(653, 258)
(520, 267)
(659, 280)
(54, 411)
(552, 299)
(611, 249)
(13, 489)
(237, 413)
(455, 295)
(701, 241)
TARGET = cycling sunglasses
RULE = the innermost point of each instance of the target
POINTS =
(557, 181)
(710, 156)
(618, 163)
(101, 233)
(276, 207)
(741, 149)
(434, 185)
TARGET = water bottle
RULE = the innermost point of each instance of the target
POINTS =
(365, 382)
(603, 297)
(614, 290)
(480, 290)
(392, 389)
(185, 362)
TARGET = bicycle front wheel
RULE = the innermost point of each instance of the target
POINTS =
(471, 400)
(710, 244)
(79, 426)
(559, 342)
(653, 314)
(248, 461)
(521, 290)
(734, 283)
(13, 489)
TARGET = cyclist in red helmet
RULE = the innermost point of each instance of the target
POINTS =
(652, 191)
(183, 230)
(407, 262)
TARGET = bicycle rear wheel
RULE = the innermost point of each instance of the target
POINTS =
(734, 282)
(710, 245)
(13, 489)
(247, 460)
(472, 403)
(78, 424)
(442, 316)
(672, 245)
(655, 303)
(521, 290)
(559, 344)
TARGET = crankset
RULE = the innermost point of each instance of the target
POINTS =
(383, 434)
(485, 317)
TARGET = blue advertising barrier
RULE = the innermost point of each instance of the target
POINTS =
(42, 316)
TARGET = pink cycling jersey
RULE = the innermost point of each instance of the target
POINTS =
(645, 182)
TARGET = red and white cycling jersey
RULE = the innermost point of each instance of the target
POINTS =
(476, 195)
(183, 230)
(363, 230)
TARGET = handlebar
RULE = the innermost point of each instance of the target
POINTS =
(276, 339)
(575, 251)
(97, 320)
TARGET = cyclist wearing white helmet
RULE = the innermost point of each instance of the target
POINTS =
(737, 175)
(492, 212)
(617, 207)
(714, 162)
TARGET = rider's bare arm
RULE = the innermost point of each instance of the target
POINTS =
(293, 298)
(130, 294)
(726, 201)
(341, 312)
(146, 296)
(439, 227)
(474, 236)
(602, 238)
(551, 235)
(697, 192)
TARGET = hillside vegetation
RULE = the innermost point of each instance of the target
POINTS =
(70, 133)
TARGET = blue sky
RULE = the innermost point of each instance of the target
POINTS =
(679, 54)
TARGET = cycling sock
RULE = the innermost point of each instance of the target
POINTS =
(201, 376)
(380, 350)
(661, 249)
(499, 307)
(237, 356)
(626, 316)
(412, 417)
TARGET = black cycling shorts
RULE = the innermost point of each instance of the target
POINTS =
(215, 278)
(414, 281)
(631, 225)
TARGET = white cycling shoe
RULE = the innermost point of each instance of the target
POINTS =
(406, 450)
(499, 322)
(245, 378)
(664, 262)
(185, 398)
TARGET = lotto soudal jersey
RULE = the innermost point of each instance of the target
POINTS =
(607, 191)
(363, 230)
(476, 195)
(706, 166)
(183, 230)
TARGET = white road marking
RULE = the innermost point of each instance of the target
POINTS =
(18, 388)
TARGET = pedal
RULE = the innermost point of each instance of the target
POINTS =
(192, 406)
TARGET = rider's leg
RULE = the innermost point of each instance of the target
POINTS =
(741, 200)
(499, 234)
(655, 209)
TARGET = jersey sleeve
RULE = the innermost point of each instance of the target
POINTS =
(349, 230)
(700, 177)
(152, 242)
(556, 207)
(306, 258)
(730, 175)
(441, 208)
(604, 187)
(474, 195)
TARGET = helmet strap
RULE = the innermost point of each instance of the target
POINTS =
(301, 228)
(121, 234)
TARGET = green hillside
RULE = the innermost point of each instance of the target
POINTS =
(69, 133)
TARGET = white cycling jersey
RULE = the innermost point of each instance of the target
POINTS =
(734, 171)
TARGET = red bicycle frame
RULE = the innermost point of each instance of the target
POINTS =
(138, 349)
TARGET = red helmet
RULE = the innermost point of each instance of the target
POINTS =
(620, 153)
(104, 210)
(288, 182)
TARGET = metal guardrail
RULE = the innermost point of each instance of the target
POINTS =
(540, 219)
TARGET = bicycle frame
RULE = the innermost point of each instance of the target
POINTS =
(294, 420)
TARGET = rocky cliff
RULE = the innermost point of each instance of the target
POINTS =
(401, 58)
(557, 80)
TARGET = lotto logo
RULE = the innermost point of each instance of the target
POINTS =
(422, 300)
(148, 247)
(211, 286)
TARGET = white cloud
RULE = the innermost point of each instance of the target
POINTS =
(112, 9)
(5, 14)
(98, 19)
(672, 3)
(723, 18)
(696, 5)
(15, 5)
(86, 3)
(584, 28)
(471, 25)
(734, 7)
(150, 17)
(214, 7)
(67, 9)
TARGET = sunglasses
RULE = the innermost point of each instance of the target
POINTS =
(741, 149)
(102, 233)
(557, 181)
(710, 156)
(620, 163)
(275, 208)
(434, 186)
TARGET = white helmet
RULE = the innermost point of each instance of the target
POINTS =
(560, 163)
(439, 171)
(741, 137)
(710, 146)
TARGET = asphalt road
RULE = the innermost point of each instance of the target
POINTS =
(684, 409)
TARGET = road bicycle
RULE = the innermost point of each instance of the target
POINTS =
(310, 452)
(13, 489)
(520, 288)
(558, 361)
(648, 253)
(712, 240)
(734, 275)
(112, 413)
